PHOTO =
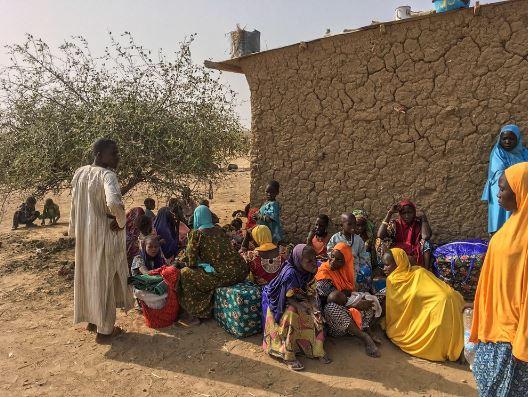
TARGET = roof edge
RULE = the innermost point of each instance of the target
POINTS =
(234, 65)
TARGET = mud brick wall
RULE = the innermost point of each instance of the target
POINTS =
(404, 110)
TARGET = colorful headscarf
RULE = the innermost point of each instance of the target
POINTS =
(262, 236)
(500, 158)
(203, 219)
(501, 302)
(344, 278)
(408, 236)
(132, 232)
(362, 214)
(292, 276)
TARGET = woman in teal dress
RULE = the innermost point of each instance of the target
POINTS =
(508, 151)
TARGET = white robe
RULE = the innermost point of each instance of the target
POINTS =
(101, 267)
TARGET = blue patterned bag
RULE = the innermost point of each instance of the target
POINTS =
(459, 264)
(238, 309)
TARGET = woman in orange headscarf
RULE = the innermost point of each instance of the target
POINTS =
(345, 311)
(500, 319)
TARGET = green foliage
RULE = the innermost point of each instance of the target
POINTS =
(173, 120)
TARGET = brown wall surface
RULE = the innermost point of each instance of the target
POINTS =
(406, 110)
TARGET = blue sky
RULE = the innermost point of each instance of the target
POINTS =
(162, 24)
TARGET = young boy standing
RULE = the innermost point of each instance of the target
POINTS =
(150, 205)
(269, 213)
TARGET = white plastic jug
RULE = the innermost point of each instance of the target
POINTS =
(469, 347)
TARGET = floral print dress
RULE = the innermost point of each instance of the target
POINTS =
(197, 287)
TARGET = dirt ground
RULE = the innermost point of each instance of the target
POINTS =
(43, 354)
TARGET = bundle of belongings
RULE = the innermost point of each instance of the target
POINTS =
(156, 293)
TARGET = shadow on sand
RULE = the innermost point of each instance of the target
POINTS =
(204, 355)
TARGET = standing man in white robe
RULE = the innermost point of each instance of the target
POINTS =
(97, 222)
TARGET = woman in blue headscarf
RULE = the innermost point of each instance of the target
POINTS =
(292, 321)
(508, 151)
(211, 262)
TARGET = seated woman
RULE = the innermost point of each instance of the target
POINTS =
(208, 244)
(167, 225)
(338, 274)
(318, 237)
(508, 150)
(423, 314)
(132, 232)
(266, 260)
(500, 318)
(149, 257)
(291, 321)
(409, 232)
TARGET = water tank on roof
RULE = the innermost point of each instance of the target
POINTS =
(244, 42)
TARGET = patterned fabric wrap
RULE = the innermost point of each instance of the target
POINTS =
(498, 373)
(238, 310)
(296, 333)
(449, 5)
(459, 264)
(167, 315)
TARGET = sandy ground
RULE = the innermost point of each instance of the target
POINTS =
(43, 354)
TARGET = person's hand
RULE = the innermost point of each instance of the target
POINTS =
(421, 216)
(364, 305)
(114, 226)
(394, 209)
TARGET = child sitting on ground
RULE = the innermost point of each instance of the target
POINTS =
(318, 237)
(269, 213)
(150, 205)
(149, 257)
(234, 232)
(26, 214)
(51, 211)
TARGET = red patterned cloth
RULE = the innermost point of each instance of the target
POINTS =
(167, 315)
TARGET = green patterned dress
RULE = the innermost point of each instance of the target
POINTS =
(197, 287)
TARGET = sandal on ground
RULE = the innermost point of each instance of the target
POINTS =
(91, 328)
(295, 365)
(188, 320)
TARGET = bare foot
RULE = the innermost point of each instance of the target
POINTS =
(371, 349)
(295, 365)
(91, 328)
(325, 360)
(105, 339)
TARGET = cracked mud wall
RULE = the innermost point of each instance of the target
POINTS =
(406, 110)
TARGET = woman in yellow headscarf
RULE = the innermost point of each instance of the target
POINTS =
(266, 260)
(423, 314)
(500, 318)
